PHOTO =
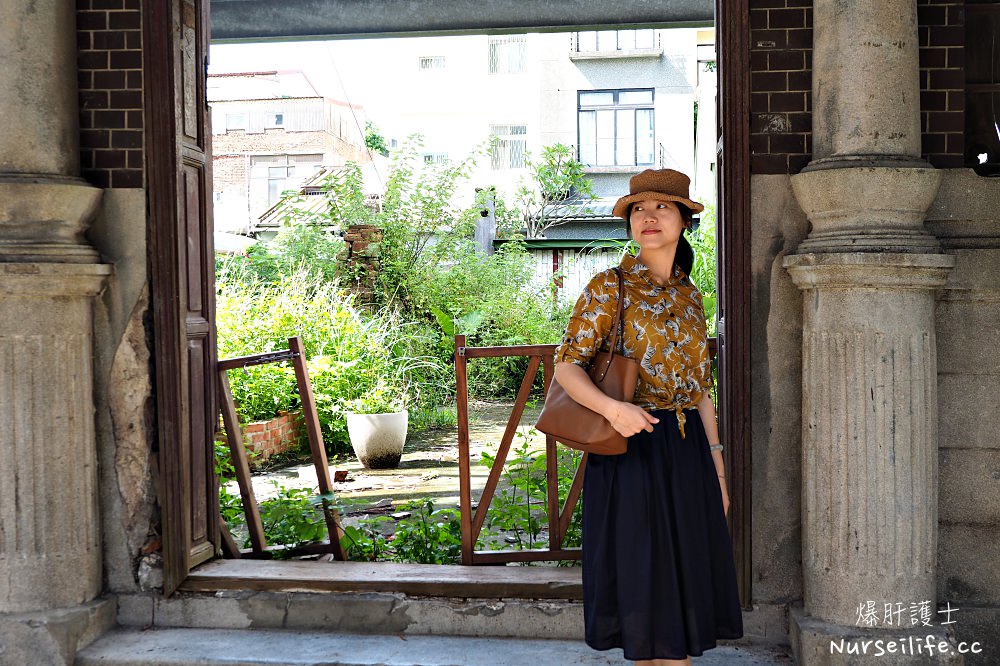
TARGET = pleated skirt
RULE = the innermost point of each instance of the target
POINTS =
(659, 579)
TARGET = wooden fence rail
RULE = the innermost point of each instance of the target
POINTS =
(474, 519)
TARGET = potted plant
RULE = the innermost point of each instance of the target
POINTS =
(377, 422)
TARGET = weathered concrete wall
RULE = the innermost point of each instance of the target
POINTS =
(123, 386)
(966, 217)
(778, 226)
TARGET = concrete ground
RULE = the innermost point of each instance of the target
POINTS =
(217, 647)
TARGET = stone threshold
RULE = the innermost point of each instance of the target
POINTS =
(421, 580)
(216, 647)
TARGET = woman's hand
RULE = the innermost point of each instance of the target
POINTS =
(628, 419)
(725, 496)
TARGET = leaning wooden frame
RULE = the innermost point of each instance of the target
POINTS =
(558, 517)
(473, 519)
(258, 544)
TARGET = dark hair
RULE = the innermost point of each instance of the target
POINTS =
(684, 256)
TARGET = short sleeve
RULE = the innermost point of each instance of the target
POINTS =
(590, 323)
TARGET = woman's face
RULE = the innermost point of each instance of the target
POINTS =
(655, 224)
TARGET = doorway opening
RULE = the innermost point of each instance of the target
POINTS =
(186, 486)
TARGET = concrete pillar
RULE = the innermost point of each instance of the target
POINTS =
(869, 270)
(50, 557)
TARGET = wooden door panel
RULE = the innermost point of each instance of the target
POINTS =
(175, 36)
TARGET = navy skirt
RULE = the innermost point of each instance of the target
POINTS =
(658, 574)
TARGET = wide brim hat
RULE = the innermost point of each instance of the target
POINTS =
(658, 184)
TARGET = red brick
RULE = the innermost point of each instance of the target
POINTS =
(106, 40)
(93, 99)
(800, 122)
(109, 159)
(956, 15)
(126, 99)
(946, 79)
(109, 80)
(124, 20)
(933, 58)
(763, 164)
(768, 81)
(956, 57)
(800, 39)
(126, 139)
(786, 60)
(133, 39)
(91, 20)
(945, 121)
(759, 102)
(769, 39)
(932, 15)
(801, 80)
(956, 101)
(107, 4)
(758, 19)
(947, 36)
(933, 100)
(92, 60)
(794, 101)
(133, 80)
(126, 60)
(788, 143)
(109, 119)
(133, 119)
(760, 144)
(134, 159)
(947, 161)
(766, 4)
(786, 18)
(758, 61)
(94, 138)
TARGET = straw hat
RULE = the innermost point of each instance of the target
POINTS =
(659, 184)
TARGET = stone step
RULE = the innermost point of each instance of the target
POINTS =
(235, 647)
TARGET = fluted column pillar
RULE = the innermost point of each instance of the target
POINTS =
(869, 271)
(50, 555)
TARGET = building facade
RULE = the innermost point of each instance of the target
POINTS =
(860, 297)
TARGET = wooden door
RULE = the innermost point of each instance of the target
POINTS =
(733, 215)
(175, 38)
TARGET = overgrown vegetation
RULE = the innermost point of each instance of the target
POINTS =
(397, 352)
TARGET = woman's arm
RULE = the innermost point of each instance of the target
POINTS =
(626, 418)
(706, 410)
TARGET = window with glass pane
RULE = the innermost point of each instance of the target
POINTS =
(285, 172)
(616, 128)
(510, 146)
(507, 54)
(615, 40)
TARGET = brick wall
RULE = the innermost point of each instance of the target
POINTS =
(942, 81)
(781, 81)
(109, 42)
(264, 439)
(780, 85)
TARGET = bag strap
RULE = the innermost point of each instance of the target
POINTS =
(617, 323)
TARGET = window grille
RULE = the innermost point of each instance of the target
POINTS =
(431, 62)
(510, 146)
(508, 54)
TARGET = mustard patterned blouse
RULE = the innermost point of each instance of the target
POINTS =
(664, 328)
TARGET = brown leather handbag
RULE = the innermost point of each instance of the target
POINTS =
(578, 427)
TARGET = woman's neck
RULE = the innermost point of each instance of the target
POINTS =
(659, 262)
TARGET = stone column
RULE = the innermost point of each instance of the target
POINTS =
(50, 553)
(869, 271)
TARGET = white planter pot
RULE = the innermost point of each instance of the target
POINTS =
(378, 439)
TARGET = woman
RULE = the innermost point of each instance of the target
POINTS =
(658, 574)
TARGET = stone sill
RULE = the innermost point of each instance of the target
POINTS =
(615, 55)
